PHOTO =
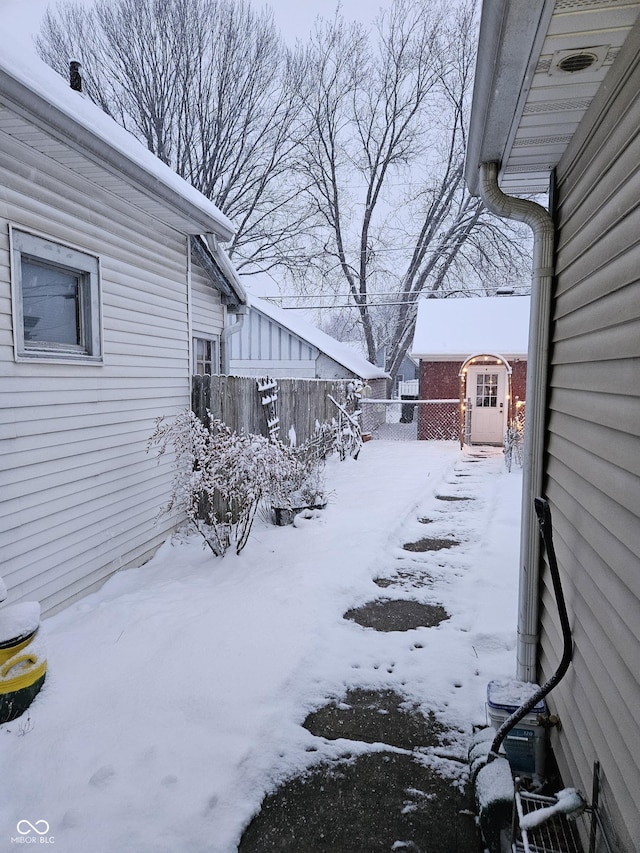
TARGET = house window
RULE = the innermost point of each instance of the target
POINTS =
(487, 390)
(206, 359)
(56, 300)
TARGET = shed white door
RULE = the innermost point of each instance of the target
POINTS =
(487, 390)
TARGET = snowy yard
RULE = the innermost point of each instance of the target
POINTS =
(175, 694)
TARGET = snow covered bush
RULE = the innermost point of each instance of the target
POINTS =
(220, 476)
(299, 480)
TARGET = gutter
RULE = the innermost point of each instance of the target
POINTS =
(83, 126)
(540, 222)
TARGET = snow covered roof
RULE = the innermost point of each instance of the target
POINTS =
(37, 94)
(341, 353)
(457, 328)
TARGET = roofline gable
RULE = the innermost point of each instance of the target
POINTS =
(54, 113)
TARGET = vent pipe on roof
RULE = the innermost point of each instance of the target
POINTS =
(540, 222)
(75, 77)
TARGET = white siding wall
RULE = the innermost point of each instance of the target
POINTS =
(207, 313)
(327, 368)
(79, 495)
(593, 454)
(263, 347)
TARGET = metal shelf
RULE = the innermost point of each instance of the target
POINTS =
(557, 834)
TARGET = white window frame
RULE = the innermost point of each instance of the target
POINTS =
(215, 343)
(47, 252)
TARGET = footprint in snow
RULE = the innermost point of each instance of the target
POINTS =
(102, 777)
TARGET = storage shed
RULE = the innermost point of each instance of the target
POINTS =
(277, 342)
(473, 350)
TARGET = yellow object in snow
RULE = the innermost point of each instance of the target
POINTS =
(21, 671)
(7, 652)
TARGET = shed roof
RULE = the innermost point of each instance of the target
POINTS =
(448, 329)
(46, 114)
(340, 352)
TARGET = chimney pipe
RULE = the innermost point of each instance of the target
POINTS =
(75, 78)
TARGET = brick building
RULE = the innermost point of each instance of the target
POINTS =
(473, 360)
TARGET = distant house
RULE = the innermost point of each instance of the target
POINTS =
(473, 351)
(275, 342)
(407, 373)
(112, 286)
(556, 110)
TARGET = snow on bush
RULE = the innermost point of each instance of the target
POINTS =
(300, 478)
(221, 477)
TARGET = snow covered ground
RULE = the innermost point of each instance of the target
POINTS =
(175, 694)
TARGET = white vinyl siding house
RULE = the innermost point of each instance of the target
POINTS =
(579, 134)
(207, 321)
(593, 445)
(80, 496)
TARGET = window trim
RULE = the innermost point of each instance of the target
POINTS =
(215, 341)
(44, 250)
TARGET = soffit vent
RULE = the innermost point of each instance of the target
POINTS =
(588, 5)
(578, 60)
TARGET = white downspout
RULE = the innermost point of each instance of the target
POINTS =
(540, 222)
(241, 314)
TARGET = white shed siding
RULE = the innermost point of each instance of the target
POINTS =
(275, 370)
(264, 347)
(327, 368)
(79, 494)
(593, 453)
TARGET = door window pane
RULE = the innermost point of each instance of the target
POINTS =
(487, 390)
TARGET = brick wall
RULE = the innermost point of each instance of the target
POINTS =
(439, 380)
(519, 378)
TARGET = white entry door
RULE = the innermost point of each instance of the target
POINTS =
(487, 390)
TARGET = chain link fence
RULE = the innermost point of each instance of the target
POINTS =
(409, 420)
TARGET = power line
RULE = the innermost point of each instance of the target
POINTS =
(411, 299)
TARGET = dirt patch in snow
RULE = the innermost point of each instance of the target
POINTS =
(454, 498)
(376, 716)
(430, 544)
(405, 579)
(375, 803)
(388, 614)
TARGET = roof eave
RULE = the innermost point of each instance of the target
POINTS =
(28, 103)
(510, 31)
(461, 356)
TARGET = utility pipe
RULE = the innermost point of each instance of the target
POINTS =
(543, 513)
(540, 222)
(241, 314)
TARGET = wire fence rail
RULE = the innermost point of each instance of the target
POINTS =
(409, 420)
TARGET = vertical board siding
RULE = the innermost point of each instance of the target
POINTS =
(80, 494)
(593, 457)
(263, 346)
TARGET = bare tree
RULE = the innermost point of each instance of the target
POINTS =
(210, 88)
(384, 162)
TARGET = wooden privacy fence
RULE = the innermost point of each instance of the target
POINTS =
(235, 400)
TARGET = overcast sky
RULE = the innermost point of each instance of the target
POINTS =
(21, 18)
